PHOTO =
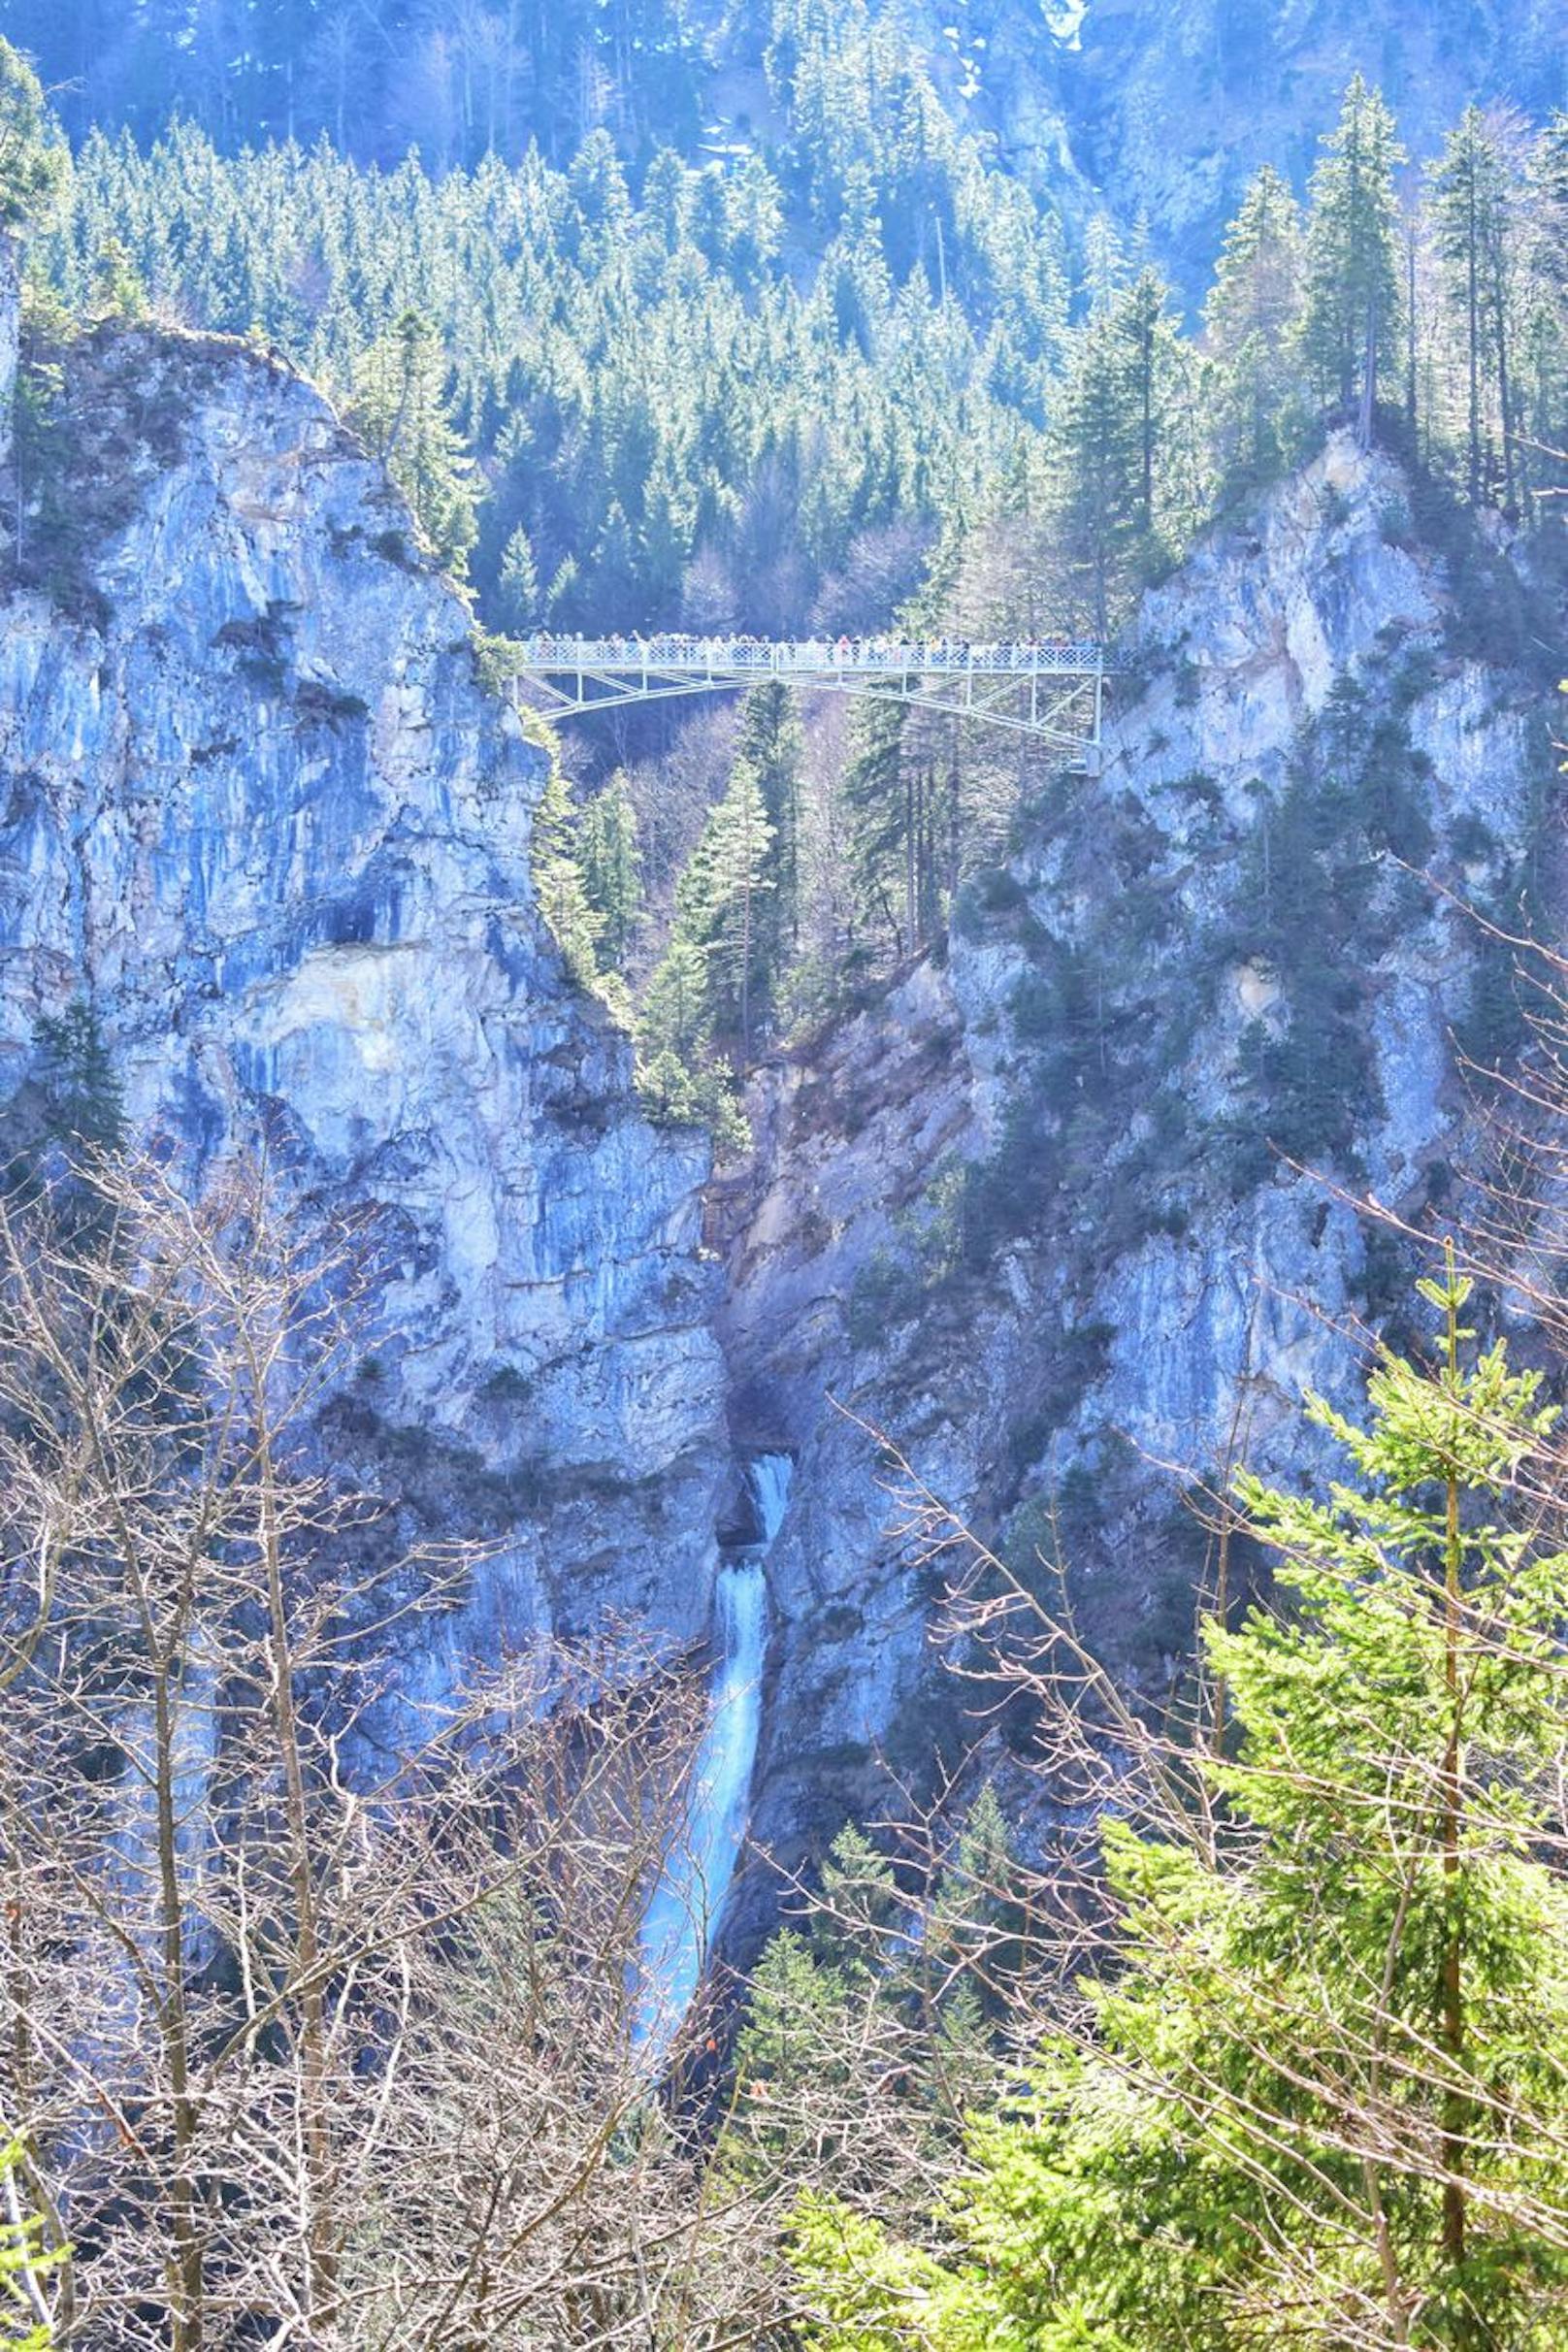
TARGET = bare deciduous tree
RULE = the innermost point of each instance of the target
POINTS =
(301, 2047)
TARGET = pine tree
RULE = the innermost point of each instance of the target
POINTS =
(714, 976)
(118, 289)
(400, 407)
(517, 586)
(860, 1904)
(1105, 266)
(33, 161)
(598, 188)
(611, 864)
(772, 746)
(1353, 299)
(790, 2051)
(1098, 476)
(726, 885)
(1473, 217)
(84, 1104)
(876, 798)
(666, 199)
(574, 922)
(1145, 320)
(973, 1891)
(1253, 318)
(1319, 2098)
(708, 224)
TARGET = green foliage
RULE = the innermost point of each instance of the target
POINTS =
(1353, 277)
(1474, 208)
(25, 2266)
(710, 988)
(33, 160)
(85, 1108)
(1321, 2078)
(650, 415)
(911, 1977)
(1254, 317)
(400, 407)
(719, 901)
(772, 746)
(1316, 912)
(889, 837)
(579, 923)
(1101, 514)
(611, 863)
(518, 596)
(885, 1293)
(673, 418)
(118, 290)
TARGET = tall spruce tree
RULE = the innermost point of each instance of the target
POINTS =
(1319, 2098)
(1474, 219)
(1098, 475)
(876, 798)
(1148, 329)
(733, 876)
(576, 925)
(1354, 278)
(611, 863)
(712, 985)
(772, 746)
(400, 405)
(518, 585)
(33, 159)
(84, 1104)
(1253, 317)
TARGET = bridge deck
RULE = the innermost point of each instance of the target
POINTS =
(810, 657)
(1051, 688)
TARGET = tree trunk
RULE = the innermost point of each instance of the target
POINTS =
(186, 2286)
(1369, 377)
(1455, 2117)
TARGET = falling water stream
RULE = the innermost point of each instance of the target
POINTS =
(678, 1926)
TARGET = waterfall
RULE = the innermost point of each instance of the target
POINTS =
(678, 1926)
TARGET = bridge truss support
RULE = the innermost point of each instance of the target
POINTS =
(1053, 694)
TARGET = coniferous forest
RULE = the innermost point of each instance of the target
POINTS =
(783, 1512)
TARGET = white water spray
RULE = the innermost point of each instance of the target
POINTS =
(678, 1926)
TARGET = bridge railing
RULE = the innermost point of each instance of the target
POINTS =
(818, 657)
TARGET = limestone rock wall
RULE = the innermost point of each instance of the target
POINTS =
(257, 807)
(1034, 1216)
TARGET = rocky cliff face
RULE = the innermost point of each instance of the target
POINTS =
(1035, 1214)
(257, 807)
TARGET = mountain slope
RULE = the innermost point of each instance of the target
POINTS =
(1165, 110)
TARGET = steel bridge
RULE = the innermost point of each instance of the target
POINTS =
(1052, 688)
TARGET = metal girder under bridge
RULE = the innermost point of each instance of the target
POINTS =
(1052, 688)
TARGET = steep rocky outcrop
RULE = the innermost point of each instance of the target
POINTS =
(1034, 1214)
(257, 807)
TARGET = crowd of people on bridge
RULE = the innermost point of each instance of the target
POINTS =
(669, 650)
